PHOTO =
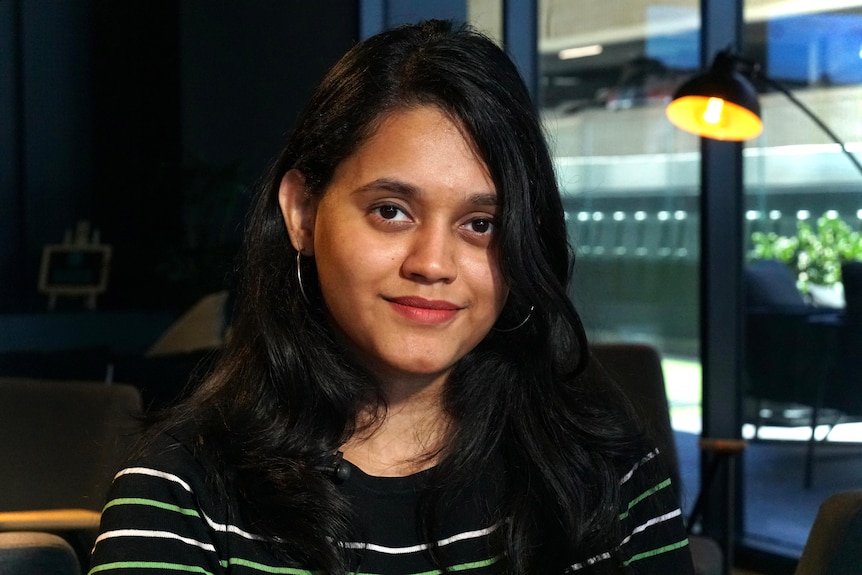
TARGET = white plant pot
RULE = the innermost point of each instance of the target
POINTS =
(827, 296)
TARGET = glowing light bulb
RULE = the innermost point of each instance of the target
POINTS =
(712, 114)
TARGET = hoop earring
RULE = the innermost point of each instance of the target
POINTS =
(299, 277)
(520, 325)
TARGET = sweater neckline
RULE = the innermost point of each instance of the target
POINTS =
(387, 485)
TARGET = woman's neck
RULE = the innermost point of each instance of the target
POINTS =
(406, 439)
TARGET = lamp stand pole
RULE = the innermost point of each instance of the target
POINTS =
(814, 118)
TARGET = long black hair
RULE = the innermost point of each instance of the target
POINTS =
(284, 396)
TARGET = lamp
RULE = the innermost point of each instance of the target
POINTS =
(721, 103)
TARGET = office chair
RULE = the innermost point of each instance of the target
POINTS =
(35, 553)
(834, 545)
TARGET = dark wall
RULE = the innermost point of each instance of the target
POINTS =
(152, 119)
(138, 136)
(238, 107)
(8, 140)
(48, 167)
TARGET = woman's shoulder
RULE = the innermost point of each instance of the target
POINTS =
(177, 443)
(647, 488)
(655, 539)
(170, 459)
(169, 508)
(647, 466)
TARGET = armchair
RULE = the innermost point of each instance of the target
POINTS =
(33, 552)
(834, 545)
(61, 443)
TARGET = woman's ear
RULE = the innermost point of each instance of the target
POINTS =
(298, 208)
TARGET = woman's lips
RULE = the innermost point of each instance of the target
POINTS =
(425, 311)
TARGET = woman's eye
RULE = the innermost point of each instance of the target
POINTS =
(481, 225)
(390, 212)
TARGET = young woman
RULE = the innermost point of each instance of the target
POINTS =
(402, 391)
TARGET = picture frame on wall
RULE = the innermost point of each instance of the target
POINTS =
(77, 268)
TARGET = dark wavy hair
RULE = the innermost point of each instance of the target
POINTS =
(284, 396)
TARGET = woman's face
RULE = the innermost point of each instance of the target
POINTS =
(403, 239)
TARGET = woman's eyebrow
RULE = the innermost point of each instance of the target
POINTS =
(400, 187)
(484, 200)
(388, 184)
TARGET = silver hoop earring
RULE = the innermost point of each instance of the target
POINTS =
(299, 277)
(520, 325)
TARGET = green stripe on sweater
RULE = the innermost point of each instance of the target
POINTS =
(151, 503)
(658, 551)
(643, 496)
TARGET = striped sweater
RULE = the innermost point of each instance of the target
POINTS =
(162, 516)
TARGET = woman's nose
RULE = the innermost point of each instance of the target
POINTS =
(431, 255)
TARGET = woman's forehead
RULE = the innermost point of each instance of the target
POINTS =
(418, 148)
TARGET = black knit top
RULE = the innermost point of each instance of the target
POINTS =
(163, 516)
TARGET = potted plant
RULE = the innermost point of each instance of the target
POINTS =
(815, 255)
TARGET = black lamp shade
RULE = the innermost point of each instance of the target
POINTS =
(720, 104)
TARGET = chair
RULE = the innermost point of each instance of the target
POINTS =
(843, 387)
(789, 347)
(770, 286)
(35, 553)
(851, 277)
(834, 544)
(637, 369)
(61, 443)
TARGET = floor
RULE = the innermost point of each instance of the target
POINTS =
(778, 510)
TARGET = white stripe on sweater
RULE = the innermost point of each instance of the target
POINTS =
(648, 457)
(222, 527)
(423, 546)
(149, 534)
(154, 473)
(654, 521)
(590, 561)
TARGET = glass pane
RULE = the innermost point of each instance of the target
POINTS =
(487, 16)
(630, 180)
(801, 190)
